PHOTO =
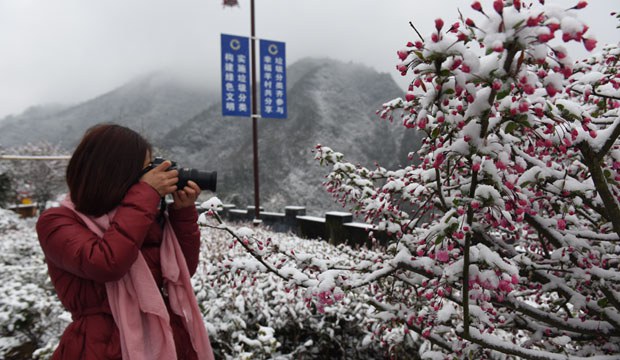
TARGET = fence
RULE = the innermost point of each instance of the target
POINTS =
(336, 227)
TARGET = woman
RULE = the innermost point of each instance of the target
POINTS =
(119, 262)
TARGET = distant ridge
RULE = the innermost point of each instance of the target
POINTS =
(152, 104)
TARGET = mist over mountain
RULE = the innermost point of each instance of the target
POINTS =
(329, 102)
(152, 104)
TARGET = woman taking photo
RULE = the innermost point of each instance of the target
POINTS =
(120, 261)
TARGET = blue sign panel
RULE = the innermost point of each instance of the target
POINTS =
(236, 91)
(273, 79)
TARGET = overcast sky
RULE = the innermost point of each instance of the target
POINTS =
(67, 51)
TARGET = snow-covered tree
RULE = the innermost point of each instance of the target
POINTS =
(505, 236)
(41, 180)
(519, 178)
(6, 193)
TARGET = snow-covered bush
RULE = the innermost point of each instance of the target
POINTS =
(260, 315)
(253, 317)
(31, 316)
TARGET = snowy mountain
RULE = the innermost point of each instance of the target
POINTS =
(329, 102)
(152, 104)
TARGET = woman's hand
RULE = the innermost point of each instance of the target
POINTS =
(163, 181)
(186, 196)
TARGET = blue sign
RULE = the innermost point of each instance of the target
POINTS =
(273, 79)
(236, 90)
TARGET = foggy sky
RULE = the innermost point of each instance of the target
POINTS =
(67, 51)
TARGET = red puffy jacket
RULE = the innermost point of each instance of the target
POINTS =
(80, 262)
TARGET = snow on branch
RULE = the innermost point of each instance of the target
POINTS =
(503, 229)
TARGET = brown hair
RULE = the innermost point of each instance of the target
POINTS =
(106, 163)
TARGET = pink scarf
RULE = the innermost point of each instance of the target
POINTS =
(138, 307)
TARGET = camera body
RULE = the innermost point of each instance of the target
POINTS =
(205, 180)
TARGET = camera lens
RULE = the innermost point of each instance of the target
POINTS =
(204, 179)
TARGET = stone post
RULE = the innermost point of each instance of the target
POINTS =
(290, 217)
(334, 221)
(252, 212)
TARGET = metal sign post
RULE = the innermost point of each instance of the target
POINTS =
(254, 115)
(235, 84)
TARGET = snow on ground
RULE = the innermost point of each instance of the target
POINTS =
(248, 315)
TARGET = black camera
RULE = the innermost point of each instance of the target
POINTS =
(205, 180)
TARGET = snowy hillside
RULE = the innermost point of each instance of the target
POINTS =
(152, 104)
(330, 102)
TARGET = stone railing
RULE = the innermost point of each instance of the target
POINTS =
(336, 227)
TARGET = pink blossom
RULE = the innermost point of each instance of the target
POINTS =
(422, 123)
(528, 89)
(504, 286)
(498, 5)
(543, 38)
(438, 24)
(589, 44)
(456, 63)
(402, 54)
(443, 256)
(561, 224)
(439, 158)
(476, 6)
(534, 21)
(551, 90)
(553, 27)
(581, 5)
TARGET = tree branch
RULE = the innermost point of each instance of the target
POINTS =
(592, 161)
